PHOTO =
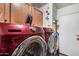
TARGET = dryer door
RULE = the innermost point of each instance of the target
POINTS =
(32, 46)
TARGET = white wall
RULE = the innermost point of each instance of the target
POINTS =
(54, 13)
(69, 28)
(47, 23)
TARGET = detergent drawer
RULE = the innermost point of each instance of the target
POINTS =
(48, 32)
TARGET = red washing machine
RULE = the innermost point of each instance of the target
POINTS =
(23, 40)
(49, 40)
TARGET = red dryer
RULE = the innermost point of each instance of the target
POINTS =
(23, 40)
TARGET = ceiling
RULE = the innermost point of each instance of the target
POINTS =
(61, 5)
(58, 5)
(38, 5)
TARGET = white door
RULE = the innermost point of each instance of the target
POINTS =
(68, 30)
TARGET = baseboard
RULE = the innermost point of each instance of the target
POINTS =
(63, 54)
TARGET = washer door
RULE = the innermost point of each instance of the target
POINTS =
(51, 44)
(32, 46)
